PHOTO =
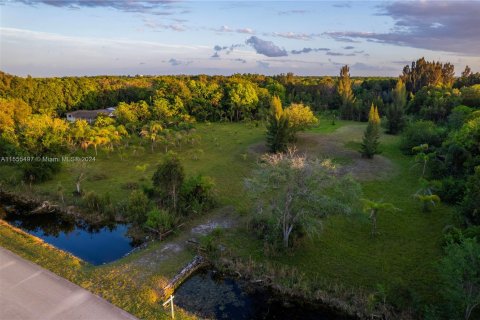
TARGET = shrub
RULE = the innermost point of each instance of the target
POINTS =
(451, 190)
(137, 207)
(98, 203)
(459, 272)
(458, 116)
(421, 132)
(39, 171)
(160, 220)
(197, 195)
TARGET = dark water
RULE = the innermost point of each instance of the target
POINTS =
(215, 297)
(96, 245)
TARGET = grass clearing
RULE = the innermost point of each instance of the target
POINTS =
(402, 258)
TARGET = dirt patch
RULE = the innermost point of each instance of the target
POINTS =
(333, 146)
(224, 218)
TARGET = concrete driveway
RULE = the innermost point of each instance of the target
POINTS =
(28, 291)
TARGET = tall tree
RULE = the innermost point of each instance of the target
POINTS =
(168, 179)
(344, 89)
(425, 73)
(370, 143)
(396, 111)
(242, 98)
(277, 127)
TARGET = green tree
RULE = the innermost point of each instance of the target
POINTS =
(470, 205)
(370, 143)
(299, 118)
(396, 111)
(277, 127)
(460, 272)
(125, 114)
(168, 179)
(344, 89)
(242, 98)
(295, 193)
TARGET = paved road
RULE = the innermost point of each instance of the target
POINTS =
(28, 291)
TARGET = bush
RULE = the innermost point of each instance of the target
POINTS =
(421, 132)
(97, 203)
(137, 207)
(39, 171)
(160, 220)
(451, 190)
(458, 116)
(196, 195)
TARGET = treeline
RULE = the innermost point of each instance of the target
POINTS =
(212, 98)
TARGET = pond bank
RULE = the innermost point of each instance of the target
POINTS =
(353, 303)
(214, 295)
(92, 240)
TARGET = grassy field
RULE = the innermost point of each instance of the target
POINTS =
(401, 258)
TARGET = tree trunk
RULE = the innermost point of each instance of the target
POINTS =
(373, 216)
(174, 198)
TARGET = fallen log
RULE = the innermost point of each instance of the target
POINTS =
(197, 263)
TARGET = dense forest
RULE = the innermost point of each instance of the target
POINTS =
(436, 114)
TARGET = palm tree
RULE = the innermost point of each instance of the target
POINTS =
(373, 208)
(425, 195)
(421, 156)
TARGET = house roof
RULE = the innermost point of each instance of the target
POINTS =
(88, 114)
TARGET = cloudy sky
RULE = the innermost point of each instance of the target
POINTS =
(92, 37)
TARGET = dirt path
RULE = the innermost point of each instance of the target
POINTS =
(332, 146)
(149, 258)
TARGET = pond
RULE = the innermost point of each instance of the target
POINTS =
(96, 245)
(209, 295)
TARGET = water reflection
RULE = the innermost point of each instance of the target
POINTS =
(96, 244)
(211, 296)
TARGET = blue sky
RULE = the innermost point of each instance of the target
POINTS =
(92, 37)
